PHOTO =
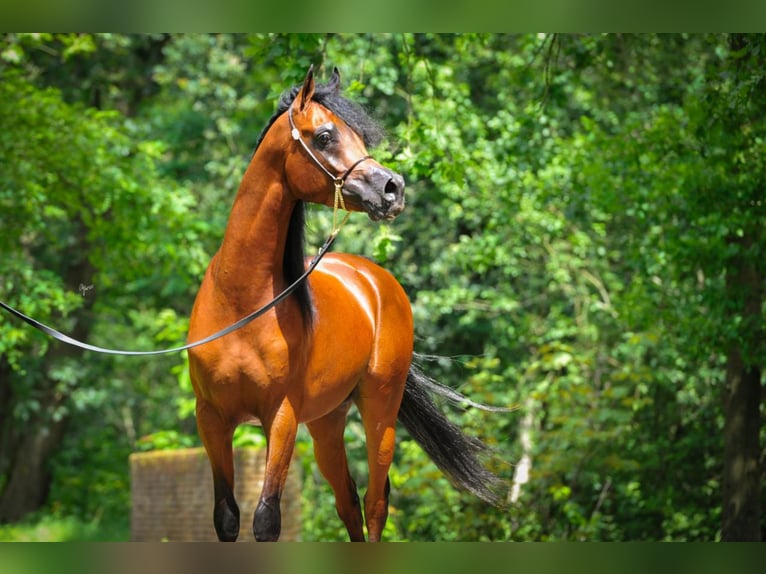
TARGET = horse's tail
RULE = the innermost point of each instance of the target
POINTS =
(456, 454)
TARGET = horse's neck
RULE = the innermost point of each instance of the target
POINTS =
(249, 267)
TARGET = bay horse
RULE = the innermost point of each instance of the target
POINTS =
(344, 337)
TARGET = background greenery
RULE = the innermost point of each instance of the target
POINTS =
(583, 239)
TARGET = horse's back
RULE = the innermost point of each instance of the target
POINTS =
(374, 289)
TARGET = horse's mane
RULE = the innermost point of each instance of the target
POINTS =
(327, 95)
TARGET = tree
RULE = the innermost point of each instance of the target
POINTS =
(688, 170)
(733, 141)
(86, 221)
(583, 238)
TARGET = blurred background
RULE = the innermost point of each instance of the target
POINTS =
(583, 240)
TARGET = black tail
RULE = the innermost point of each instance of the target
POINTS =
(456, 454)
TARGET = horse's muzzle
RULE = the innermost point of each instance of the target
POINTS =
(378, 191)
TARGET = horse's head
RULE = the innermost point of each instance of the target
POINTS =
(328, 150)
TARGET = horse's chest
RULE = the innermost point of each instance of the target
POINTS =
(260, 364)
(247, 382)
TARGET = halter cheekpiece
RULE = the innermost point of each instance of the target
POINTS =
(338, 181)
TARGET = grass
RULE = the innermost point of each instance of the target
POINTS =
(51, 528)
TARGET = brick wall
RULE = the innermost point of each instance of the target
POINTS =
(172, 495)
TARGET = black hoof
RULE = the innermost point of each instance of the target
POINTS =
(267, 522)
(226, 520)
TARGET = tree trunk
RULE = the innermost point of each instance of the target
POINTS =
(524, 466)
(29, 480)
(8, 428)
(742, 473)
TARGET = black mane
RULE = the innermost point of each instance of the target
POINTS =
(327, 95)
(350, 112)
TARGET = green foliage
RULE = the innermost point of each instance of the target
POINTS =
(90, 244)
(575, 207)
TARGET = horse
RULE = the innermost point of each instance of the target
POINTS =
(343, 338)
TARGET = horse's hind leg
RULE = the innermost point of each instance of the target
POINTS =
(378, 404)
(216, 435)
(280, 435)
(330, 454)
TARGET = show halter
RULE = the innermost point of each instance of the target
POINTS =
(338, 182)
(338, 202)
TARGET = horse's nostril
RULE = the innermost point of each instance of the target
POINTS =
(392, 188)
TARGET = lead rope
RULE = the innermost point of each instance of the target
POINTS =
(50, 331)
(336, 227)
(338, 202)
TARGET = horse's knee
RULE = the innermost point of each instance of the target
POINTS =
(267, 522)
(226, 520)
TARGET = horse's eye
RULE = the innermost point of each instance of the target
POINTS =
(323, 139)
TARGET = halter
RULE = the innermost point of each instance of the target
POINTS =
(338, 182)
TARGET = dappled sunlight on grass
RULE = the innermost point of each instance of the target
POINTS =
(47, 528)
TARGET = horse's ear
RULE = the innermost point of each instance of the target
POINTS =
(307, 91)
(334, 82)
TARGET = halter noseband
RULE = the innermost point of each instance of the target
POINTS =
(337, 181)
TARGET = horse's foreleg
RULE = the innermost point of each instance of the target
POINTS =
(330, 454)
(216, 435)
(280, 435)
